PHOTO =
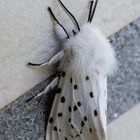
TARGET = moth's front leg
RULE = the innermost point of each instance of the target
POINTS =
(57, 57)
(52, 85)
(49, 87)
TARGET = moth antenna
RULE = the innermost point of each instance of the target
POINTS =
(95, 6)
(32, 64)
(55, 19)
(78, 27)
(91, 5)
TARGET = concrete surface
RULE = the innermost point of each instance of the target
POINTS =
(26, 30)
(126, 127)
(23, 120)
(124, 87)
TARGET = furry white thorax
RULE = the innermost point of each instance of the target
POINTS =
(88, 51)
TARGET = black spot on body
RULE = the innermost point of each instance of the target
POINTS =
(51, 120)
(59, 130)
(63, 74)
(95, 112)
(79, 104)
(62, 99)
(91, 94)
(75, 87)
(75, 108)
(87, 77)
(66, 138)
(60, 114)
(55, 128)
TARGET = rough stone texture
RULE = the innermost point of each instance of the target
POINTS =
(124, 88)
(22, 120)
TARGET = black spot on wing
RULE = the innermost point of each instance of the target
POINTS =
(69, 120)
(85, 118)
(55, 128)
(60, 114)
(75, 86)
(62, 99)
(91, 94)
(87, 78)
(69, 108)
(90, 130)
(95, 113)
(71, 80)
(66, 138)
(79, 104)
(72, 126)
(82, 123)
(75, 108)
(58, 90)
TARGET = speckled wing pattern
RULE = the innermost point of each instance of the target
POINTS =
(79, 108)
(76, 113)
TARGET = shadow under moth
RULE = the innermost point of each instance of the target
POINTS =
(80, 104)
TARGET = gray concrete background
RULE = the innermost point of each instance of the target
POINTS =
(23, 120)
(127, 126)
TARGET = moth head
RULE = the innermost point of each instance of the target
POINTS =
(93, 5)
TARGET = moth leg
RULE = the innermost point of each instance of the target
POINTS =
(50, 86)
(57, 57)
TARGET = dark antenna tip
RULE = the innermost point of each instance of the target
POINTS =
(91, 5)
(78, 27)
(32, 64)
(49, 8)
(55, 19)
(93, 12)
(29, 64)
(50, 11)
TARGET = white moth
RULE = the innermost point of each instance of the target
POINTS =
(80, 104)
